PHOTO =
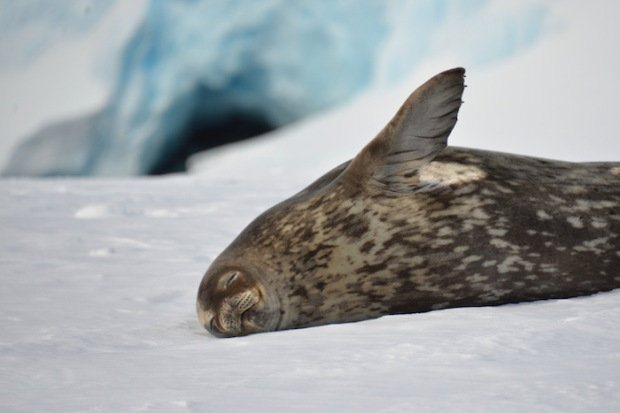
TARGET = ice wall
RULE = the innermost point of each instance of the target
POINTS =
(201, 73)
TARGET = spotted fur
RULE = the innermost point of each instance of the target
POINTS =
(409, 227)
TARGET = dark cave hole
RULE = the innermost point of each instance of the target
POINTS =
(200, 136)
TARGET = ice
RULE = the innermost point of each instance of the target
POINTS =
(192, 66)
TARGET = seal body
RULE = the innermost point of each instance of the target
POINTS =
(407, 226)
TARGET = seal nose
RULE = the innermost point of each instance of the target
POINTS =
(207, 320)
(214, 328)
(202, 314)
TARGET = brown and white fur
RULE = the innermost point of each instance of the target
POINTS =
(407, 226)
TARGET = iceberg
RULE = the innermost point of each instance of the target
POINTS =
(203, 73)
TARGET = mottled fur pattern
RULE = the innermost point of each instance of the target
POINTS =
(467, 228)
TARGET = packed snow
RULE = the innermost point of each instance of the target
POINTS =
(99, 276)
(98, 287)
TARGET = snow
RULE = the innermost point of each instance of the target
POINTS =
(99, 276)
(97, 313)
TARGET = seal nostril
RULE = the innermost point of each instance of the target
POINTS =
(216, 331)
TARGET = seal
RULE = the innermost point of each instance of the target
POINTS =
(410, 226)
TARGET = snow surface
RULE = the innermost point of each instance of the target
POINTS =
(97, 315)
(98, 277)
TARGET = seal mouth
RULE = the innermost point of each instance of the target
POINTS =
(238, 316)
(245, 318)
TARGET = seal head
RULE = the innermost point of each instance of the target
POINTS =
(233, 301)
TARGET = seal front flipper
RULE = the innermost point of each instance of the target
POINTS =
(416, 134)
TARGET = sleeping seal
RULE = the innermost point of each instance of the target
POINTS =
(407, 226)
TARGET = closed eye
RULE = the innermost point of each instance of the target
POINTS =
(231, 278)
